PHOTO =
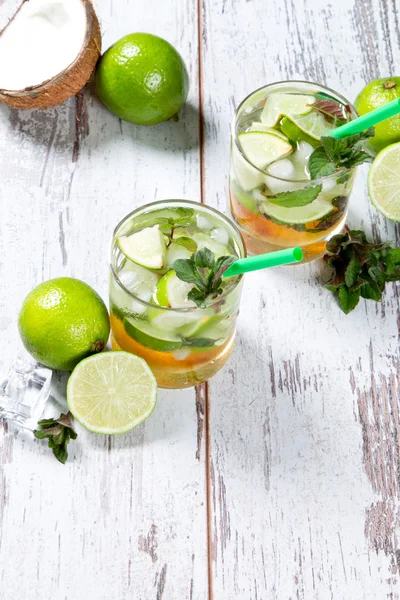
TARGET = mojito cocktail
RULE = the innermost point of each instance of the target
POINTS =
(168, 302)
(275, 197)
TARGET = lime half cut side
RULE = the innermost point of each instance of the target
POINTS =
(112, 392)
(146, 247)
(383, 182)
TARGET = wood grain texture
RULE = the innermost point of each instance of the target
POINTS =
(280, 478)
(304, 421)
(125, 518)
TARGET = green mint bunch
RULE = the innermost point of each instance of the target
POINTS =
(360, 268)
(334, 155)
(58, 432)
(205, 272)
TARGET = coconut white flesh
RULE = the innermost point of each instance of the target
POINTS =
(44, 38)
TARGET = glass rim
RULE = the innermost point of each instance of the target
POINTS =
(144, 208)
(234, 134)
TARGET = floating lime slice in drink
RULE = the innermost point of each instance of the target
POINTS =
(150, 336)
(112, 392)
(295, 134)
(206, 240)
(312, 126)
(279, 105)
(383, 182)
(247, 176)
(172, 291)
(299, 215)
(262, 148)
(145, 247)
(258, 126)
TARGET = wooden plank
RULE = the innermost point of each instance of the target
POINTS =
(125, 518)
(303, 424)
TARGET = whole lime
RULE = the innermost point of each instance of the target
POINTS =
(62, 321)
(142, 79)
(375, 94)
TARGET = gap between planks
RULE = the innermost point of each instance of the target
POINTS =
(207, 448)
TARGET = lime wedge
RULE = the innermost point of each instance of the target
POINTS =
(145, 247)
(112, 392)
(383, 182)
(279, 105)
(295, 134)
(150, 336)
(205, 240)
(258, 126)
(247, 176)
(263, 148)
(313, 126)
(172, 291)
(300, 214)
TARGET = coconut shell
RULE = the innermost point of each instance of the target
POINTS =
(67, 83)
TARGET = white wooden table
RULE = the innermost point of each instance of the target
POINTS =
(280, 479)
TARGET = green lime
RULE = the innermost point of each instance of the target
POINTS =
(301, 214)
(375, 94)
(295, 134)
(145, 248)
(63, 321)
(312, 126)
(258, 126)
(151, 337)
(383, 182)
(279, 105)
(112, 392)
(172, 291)
(262, 148)
(142, 79)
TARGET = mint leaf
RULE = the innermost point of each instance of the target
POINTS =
(198, 342)
(204, 258)
(185, 269)
(295, 198)
(58, 432)
(197, 296)
(371, 291)
(319, 164)
(331, 110)
(348, 300)
(352, 272)
(186, 242)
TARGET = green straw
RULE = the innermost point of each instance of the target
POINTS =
(366, 121)
(264, 261)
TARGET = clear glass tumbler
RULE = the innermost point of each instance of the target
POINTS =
(187, 345)
(270, 150)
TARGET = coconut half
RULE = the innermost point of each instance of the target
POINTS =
(48, 52)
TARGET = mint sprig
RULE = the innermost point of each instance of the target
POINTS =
(205, 272)
(58, 432)
(295, 198)
(360, 268)
(333, 154)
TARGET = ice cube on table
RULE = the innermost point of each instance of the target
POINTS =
(25, 391)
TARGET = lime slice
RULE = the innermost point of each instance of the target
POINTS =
(383, 182)
(145, 247)
(112, 392)
(205, 240)
(313, 126)
(247, 176)
(172, 291)
(300, 214)
(150, 336)
(263, 148)
(258, 126)
(295, 134)
(279, 105)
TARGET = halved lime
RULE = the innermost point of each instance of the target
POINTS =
(172, 291)
(258, 126)
(383, 182)
(295, 134)
(300, 214)
(279, 105)
(112, 392)
(150, 336)
(312, 125)
(263, 148)
(145, 247)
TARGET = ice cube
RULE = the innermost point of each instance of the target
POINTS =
(181, 354)
(203, 223)
(279, 185)
(304, 149)
(328, 184)
(220, 235)
(283, 169)
(175, 252)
